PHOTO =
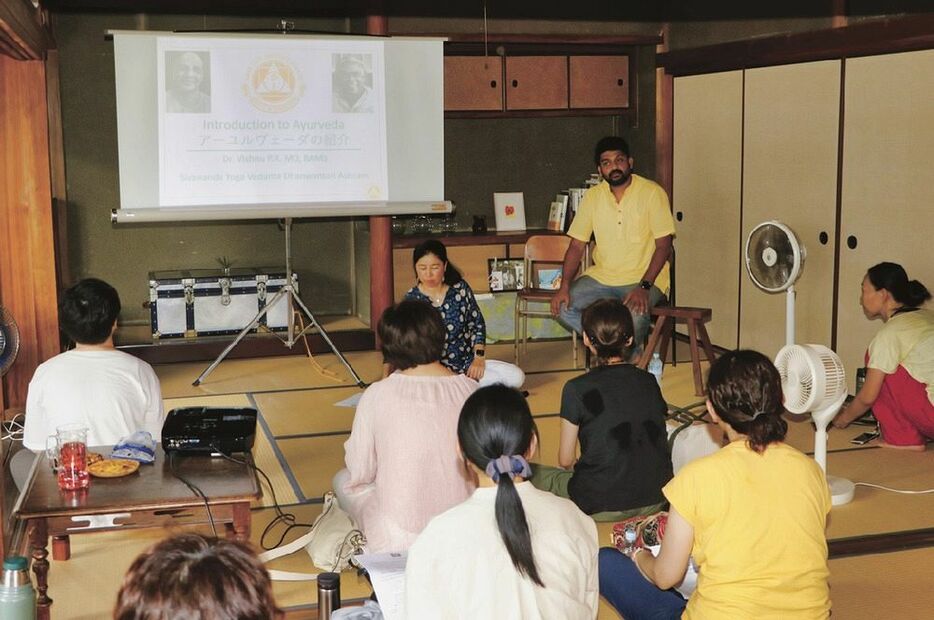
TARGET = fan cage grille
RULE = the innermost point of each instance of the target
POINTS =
(812, 376)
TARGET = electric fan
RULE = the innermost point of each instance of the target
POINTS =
(813, 380)
(774, 259)
(9, 340)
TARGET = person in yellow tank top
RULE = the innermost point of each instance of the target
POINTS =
(752, 515)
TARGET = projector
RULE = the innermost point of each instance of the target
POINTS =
(209, 430)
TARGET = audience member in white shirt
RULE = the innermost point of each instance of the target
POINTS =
(510, 550)
(110, 392)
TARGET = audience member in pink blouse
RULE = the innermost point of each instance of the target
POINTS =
(402, 464)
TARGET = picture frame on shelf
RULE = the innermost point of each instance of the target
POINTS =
(506, 274)
(509, 208)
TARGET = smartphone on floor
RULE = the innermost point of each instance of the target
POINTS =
(864, 438)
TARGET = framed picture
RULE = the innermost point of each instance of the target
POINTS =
(509, 208)
(547, 278)
(506, 274)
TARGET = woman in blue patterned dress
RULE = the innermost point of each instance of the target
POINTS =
(441, 284)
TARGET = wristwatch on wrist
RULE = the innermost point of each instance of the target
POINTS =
(479, 352)
(645, 284)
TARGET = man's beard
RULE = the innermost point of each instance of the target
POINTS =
(618, 177)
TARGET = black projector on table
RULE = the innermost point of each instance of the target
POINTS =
(209, 430)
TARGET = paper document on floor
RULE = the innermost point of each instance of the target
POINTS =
(387, 574)
(351, 401)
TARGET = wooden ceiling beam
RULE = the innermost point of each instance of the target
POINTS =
(882, 36)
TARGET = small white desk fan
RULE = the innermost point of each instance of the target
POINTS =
(813, 380)
(774, 258)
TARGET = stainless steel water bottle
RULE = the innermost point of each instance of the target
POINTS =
(17, 598)
(329, 594)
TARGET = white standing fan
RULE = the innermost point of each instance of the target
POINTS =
(814, 381)
(774, 259)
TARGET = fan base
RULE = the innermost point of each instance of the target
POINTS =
(841, 490)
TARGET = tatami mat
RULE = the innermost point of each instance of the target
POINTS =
(288, 372)
(307, 411)
(883, 586)
(874, 511)
(545, 390)
(314, 461)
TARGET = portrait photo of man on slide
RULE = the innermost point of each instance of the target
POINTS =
(188, 82)
(352, 83)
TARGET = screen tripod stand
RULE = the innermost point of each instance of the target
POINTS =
(288, 291)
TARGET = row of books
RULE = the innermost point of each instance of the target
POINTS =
(563, 208)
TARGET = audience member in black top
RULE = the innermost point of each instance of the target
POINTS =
(617, 413)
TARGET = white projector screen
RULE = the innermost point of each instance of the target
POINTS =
(222, 127)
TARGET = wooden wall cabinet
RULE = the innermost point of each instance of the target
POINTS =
(547, 83)
(473, 83)
(599, 81)
(537, 83)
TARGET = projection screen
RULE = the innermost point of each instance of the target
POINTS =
(223, 127)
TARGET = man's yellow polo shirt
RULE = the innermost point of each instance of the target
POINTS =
(625, 231)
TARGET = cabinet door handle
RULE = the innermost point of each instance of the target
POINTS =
(619, 82)
(515, 83)
(823, 238)
(851, 242)
(679, 216)
(492, 83)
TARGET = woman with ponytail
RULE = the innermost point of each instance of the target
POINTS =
(617, 413)
(899, 384)
(752, 516)
(510, 551)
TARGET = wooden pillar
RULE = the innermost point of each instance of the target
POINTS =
(664, 115)
(380, 228)
(27, 258)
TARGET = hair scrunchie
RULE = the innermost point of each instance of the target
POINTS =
(511, 466)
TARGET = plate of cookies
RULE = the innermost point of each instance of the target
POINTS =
(112, 468)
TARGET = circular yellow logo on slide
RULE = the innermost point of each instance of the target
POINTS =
(273, 85)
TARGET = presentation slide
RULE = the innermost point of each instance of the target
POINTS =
(219, 126)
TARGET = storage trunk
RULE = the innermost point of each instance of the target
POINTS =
(207, 302)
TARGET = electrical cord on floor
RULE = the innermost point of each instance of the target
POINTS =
(14, 428)
(281, 517)
(884, 488)
(194, 489)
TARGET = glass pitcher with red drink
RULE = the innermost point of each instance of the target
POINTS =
(68, 453)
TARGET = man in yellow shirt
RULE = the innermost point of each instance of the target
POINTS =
(630, 218)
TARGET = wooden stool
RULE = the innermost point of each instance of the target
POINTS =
(695, 318)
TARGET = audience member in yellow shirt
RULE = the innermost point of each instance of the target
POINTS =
(752, 516)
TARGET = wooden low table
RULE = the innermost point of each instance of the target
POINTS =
(151, 497)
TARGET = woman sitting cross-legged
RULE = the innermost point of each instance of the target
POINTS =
(617, 412)
(510, 551)
(752, 515)
(402, 465)
(441, 284)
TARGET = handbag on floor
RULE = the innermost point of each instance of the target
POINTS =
(332, 540)
(649, 530)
